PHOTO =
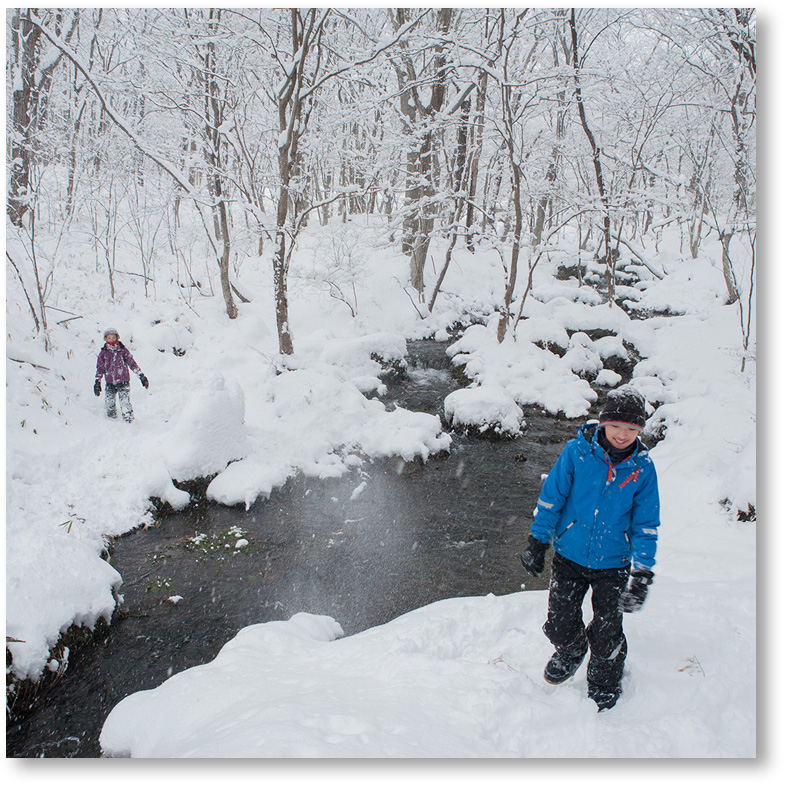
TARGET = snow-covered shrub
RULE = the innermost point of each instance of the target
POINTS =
(582, 357)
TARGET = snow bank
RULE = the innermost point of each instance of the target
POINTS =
(691, 287)
(37, 616)
(402, 433)
(460, 678)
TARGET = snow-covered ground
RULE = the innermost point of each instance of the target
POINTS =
(460, 678)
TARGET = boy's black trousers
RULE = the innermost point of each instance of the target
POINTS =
(604, 634)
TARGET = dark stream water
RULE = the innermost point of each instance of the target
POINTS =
(414, 534)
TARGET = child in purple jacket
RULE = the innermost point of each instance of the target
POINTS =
(114, 361)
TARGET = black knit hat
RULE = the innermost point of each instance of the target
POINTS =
(625, 406)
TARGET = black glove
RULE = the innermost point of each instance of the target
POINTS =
(143, 380)
(633, 596)
(533, 558)
(97, 387)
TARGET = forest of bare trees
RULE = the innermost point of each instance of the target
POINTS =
(501, 127)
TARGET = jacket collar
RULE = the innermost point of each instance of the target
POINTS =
(590, 433)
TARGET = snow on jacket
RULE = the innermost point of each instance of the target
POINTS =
(114, 362)
(597, 514)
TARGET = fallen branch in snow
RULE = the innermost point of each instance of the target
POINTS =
(240, 296)
(70, 318)
(29, 362)
(411, 299)
(24, 290)
(646, 264)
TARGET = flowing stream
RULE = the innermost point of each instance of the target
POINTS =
(363, 549)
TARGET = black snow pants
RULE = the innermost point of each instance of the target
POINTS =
(604, 635)
(123, 392)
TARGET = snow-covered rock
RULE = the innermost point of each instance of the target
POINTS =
(487, 407)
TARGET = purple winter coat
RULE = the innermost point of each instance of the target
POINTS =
(114, 362)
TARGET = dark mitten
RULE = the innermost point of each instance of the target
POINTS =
(533, 558)
(97, 387)
(143, 380)
(633, 596)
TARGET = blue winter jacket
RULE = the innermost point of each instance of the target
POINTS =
(596, 514)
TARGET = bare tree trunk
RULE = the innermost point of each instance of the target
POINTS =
(610, 261)
(72, 160)
(24, 41)
(448, 256)
(510, 119)
(305, 33)
(36, 320)
(31, 81)
(476, 152)
(226, 288)
(285, 343)
(38, 284)
(551, 176)
(727, 266)
(422, 155)
(214, 115)
(512, 272)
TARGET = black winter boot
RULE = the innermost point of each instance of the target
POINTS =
(562, 665)
(605, 675)
(604, 697)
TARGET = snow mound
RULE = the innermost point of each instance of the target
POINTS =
(402, 433)
(692, 286)
(488, 407)
(581, 356)
(209, 432)
(388, 347)
(530, 374)
(607, 378)
(244, 481)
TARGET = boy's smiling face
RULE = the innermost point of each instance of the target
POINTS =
(111, 338)
(621, 436)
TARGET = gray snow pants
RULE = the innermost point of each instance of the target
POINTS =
(604, 635)
(123, 392)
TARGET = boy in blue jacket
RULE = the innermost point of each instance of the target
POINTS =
(600, 509)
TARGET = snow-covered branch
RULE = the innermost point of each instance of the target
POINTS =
(122, 123)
